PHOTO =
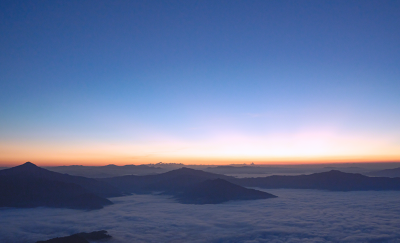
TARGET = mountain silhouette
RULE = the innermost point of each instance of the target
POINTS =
(30, 170)
(386, 173)
(333, 180)
(107, 171)
(219, 191)
(247, 169)
(36, 192)
(80, 237)
(171, 182)
(177, 181)
(189, 186)
(30, 186)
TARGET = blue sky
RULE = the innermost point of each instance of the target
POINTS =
(97, 82)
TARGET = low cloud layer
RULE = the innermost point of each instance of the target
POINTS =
(296, 216)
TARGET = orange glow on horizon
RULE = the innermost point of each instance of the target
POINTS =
(300, 148)
(204, 161)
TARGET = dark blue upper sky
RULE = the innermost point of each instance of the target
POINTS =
(138, 72)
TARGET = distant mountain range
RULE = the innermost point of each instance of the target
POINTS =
(253, 170)
(178, 181)
(241, 171)
(28, 185)
(188, 186)
(386, 173)
(172, 182)
(333, 180)
(29, 170)
(229, 169)
(107, 171)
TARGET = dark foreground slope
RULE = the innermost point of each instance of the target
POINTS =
(219, 191)
(332, 180)
(36, 192)
(30, 170)
(30, 186)
(80, 237)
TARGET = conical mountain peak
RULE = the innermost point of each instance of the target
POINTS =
(29, 164)
(26, 169)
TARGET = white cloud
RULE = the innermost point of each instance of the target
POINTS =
(296, 216)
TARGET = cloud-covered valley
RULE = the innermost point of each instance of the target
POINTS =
(295, 216)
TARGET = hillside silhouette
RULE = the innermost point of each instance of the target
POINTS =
(219, 191)
(189, 186)
(333, 180)
(107, 170)
(80, 237)
(28, 185)
(386, 173)
(177, 181)
(171, 182)
(30, 170)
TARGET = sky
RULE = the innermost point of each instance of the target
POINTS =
(199, 82)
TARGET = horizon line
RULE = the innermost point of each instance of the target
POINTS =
(274, 163)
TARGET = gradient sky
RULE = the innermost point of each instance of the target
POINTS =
(210, 82)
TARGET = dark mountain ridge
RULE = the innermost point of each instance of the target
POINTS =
(30, 170)
(169, 182)
(80, 237)
(250, 169)
(333, 180)
(30, 186)
(106, 171)
(386, 173)
(189, 186)
(179, 180)
(219, 191)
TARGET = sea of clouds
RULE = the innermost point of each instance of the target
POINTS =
(295, 216)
